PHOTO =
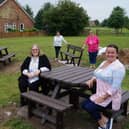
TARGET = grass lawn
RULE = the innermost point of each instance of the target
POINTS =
(21, 46)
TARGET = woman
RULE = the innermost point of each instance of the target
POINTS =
(92, 42)
(108, 76)
(58, 40)
(30, 71)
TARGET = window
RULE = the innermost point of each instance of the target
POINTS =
(14, 26)
(21, 27)
(9, 27)
(6, 27)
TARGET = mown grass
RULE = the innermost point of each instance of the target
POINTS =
(21, 46)
(17, 123)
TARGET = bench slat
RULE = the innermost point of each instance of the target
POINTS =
(47, 103)
(46, 100)
(7, 56)
(123, 109)
(125, 97)
(53, 100)
(73, 52)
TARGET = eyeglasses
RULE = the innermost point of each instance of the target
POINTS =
(35, 49)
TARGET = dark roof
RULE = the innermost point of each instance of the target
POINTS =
(1, 1)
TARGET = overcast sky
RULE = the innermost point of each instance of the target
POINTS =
(96, 9)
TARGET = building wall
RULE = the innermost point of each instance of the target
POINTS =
(11, 13)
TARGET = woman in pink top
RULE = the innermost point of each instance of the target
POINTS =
(92, 42)
(108, 77)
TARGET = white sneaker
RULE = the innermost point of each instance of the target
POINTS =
(109, 123)
(56, 59)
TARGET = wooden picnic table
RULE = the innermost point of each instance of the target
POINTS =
(64, 80)
(69, 78)
(5, 55)
(73, 79)
(3, 50)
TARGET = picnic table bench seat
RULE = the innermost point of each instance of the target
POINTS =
(5, 55)
(72, 54)
(123, 109)
(109, 112)
(51, 103)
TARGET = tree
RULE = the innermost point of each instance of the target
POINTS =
(126, 22)
(28, 10)
(104, 23)
(38, 20)
(97, 22)
(116, 19)
(67, 17)
(40, 17)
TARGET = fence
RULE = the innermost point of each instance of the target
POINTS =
(106, 31)
(111, 32)
(21, 34)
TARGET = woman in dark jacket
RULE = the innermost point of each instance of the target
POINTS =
(30, 71)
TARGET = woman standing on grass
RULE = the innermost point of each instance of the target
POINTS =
(57, 42)
(108, 77)
(92, 42)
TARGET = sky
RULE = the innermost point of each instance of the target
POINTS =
(96, 9)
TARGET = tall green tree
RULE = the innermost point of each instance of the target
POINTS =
(67, 17)
(104, 23)
(28, 9)
(116, 19)
(126, 22)
(97, 22)
(39, 18)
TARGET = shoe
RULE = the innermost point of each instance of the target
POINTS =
(56, 59)
(109, 124)
(91, 66)
(101, 127)
(59, 61)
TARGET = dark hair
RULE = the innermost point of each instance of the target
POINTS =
(57, 31)
(113, 46)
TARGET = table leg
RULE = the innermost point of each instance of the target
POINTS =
(74, 98)
(56, 91)
(54, 95)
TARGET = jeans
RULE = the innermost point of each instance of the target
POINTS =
(92, 57)
(94, 109)
(57, 51)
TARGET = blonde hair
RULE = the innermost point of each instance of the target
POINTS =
(35, 46)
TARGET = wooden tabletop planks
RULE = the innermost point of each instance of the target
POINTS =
(69, 74)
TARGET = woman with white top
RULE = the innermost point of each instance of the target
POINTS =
(30, 71)
(108, 77)
(57, 42)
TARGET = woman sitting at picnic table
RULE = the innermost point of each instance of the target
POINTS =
(108, 77)
(30, 71)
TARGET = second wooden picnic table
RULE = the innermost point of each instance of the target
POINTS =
(5, 55)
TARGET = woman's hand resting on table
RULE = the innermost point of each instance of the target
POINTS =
(90, 82)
